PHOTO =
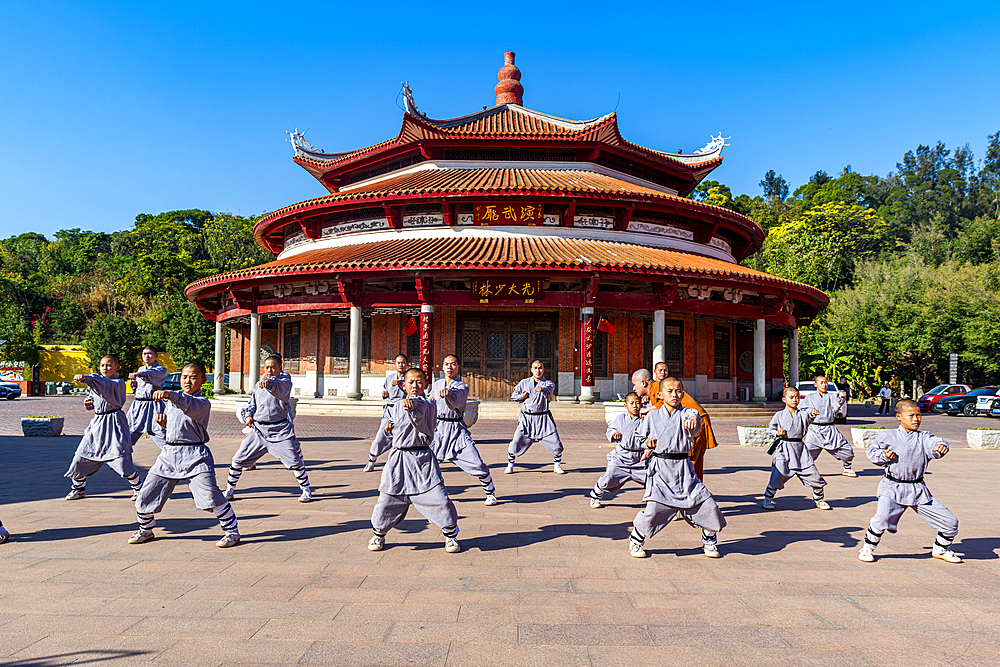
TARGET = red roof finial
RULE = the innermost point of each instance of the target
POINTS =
(509, 90)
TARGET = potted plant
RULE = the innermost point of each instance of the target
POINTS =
(864, 436)
(42, 426)
(754, 436)
(983, 438)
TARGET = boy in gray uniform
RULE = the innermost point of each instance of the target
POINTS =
(904, 453)
(671, 485)
(822, 433)
(788, 428)
(535, 421)
(142, 413)
(452, 440)
(392, 393)
(623, 460)
(107, 438)
(185, 457)
(272, 431)
(411, 475)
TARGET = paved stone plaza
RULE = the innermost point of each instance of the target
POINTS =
(542, 578)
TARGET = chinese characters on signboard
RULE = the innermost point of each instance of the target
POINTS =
(507, 289)
(488, 214)
(587, 350)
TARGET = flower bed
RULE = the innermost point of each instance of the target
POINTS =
(863, 437)
(983, 438)
(754, 436)
(37, 426)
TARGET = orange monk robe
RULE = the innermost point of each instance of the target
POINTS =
(705, 440)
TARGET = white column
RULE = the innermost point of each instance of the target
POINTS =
(659, 337)
(759, 359)
(254, 351)
(354, 370)
(220, 356)
(793, 358)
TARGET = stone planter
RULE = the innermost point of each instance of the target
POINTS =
(862, 438)
(46, 427)
(983, 438)
(612, 409)
(753, 436)
(471, 413)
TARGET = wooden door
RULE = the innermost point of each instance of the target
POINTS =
(497, 351)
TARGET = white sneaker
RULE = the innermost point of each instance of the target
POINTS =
(250, 467)
(76, 495)
(946, 555)
(711, 549)
(823, 505)
(230, 492)
(368, 467)
(635, 549)
(595, 503)
(376, 543)
(228, 540)
(490, 500)
(4, 535)
(509, 470)
(768, 504)
(451, 545)
(867, 554)
(140, 536)
(849, 473)
(558, 469)
(307, 496)
(135, 496)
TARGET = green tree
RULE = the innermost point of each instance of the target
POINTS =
(21, 343)
(190, 337)
(114, 334)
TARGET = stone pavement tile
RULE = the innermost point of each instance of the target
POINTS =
(893, 604)
(375, 653)
(490, 655)
(131, 576)
(173, 626)
(63, 649)
(599, 615)
(37, 588)
(518, 613)
(515, 584)
(213, 649)
(154, 607)
(942, 640)
(648, 585)
(802, 601)
(971, 658)
(643, 601)
(481, 631)
(71, 625)
(219, 592)
(43, 605)
(324, 630)
(376, 610)
(936, 618)
(279, 610)
(530, 572)
(464, 597)
(709, 637)
(348, 595)
(165, 590)
(776, 657)
(654, 656)
(89, 565)
(762, 618)
(584, 635)
(11, 644)
(375, 582)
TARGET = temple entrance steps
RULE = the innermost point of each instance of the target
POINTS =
(495, 409)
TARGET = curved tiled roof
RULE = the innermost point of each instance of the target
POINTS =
(503, 252)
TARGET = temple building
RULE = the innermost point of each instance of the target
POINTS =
(504, 236)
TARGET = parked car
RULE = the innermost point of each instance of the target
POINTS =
(10, 390)
(927, 401)
(807, 387)
(994, 408)
(173, 381)
(966, 404)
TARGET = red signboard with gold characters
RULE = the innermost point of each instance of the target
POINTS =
(507, 289)
(500, 213)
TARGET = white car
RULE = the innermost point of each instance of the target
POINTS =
(807, 387)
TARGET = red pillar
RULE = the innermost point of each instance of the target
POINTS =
(427, 340)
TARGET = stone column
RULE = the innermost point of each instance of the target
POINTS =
(220, 356)
(254, 351)
(354, 369)
(659, 337)
(587, 356)
(793, 358)
(759, 365)
(427, 341)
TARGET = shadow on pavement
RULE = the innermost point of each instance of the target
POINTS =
(76, 658)
(979, 548)
(775, 540)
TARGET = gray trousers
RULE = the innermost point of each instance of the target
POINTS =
(842, 451)
(434, 504)
(81, 467)
(934, 513)
(154, 493)
(809, 477)
(615, 477)
(382, 442)
(470, 461)
(520, 443)
(158, 436)
(655, 516)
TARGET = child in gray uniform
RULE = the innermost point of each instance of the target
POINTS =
(671, 485)
(267, 415)
(142, 413)
(185, 457)
(107, 438)
(788, 428)
(822, 433)
(624, 460)
(904, 453)
(452, 440)
(392, 393)
(411, 475)
(535, 421)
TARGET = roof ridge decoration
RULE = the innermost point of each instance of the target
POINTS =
(509, 89)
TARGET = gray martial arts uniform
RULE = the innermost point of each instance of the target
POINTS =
(186, 456)
(791, 457)
(411, 475)
(535, 421)
(903, 486)
(141, 416)
(823, 433)
(623, 460)
(452, 440)
(272, 433)
(382, 442)
(671, 484)
(107, 438)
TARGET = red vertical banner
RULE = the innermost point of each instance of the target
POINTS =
(427, 341)
(587, 348)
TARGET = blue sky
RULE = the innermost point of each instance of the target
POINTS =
(112, 109)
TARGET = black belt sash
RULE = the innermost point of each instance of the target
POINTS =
(259, 421)
(420, 448)
(109, 412)
(822, 424)
(547, 412)
(774, 445)
(904, 481)
(185, 444)
(145, 399)
(451, 419)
